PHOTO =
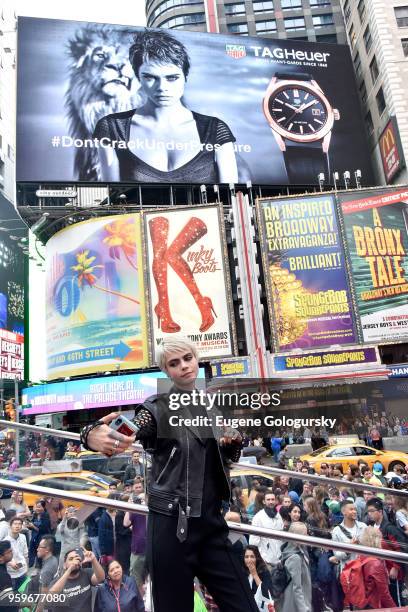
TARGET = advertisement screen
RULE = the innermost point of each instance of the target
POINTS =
(188, 280)
(204, 108)
(95, 298)
(376, 234)
(122, 390)
(308, 295)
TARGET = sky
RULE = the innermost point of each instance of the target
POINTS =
(130, 13)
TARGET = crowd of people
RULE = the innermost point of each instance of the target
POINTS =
(50, 550)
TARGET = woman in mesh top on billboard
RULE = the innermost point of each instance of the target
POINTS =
(163, 140)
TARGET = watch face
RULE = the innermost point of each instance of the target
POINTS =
(298, 111)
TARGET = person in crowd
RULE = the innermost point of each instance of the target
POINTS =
(187, 534)
(137, 522)
(91, 525)
(238, 540)
(257, 504)
(123, 538)
(360, 504)
(49, 562)
(392, 539)
(75, 582)
(18, 566)
(283, 458)
(258, 577)
(324, 470)
(39, 526)
(297, 597)
(6, 584)
(376, 439)
(134, 469)
(379, 473)
(5, 523)
(106, 534)
(296, 513)
(349, 530)
(268, 518)
(138, 488)
(237, 498)
(69, 532)
(118, 592)
(316, 520)
(335, 514)
(400, 507)
(18, 504)
(55, 509)
(376, 579)
(276, 443)
(353, 471)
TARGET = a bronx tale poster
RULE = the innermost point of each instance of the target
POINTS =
(376, 233)
(308, 294)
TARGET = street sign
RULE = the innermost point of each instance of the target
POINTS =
(56, 193)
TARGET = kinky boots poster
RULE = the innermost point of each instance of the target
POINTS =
(189, 284)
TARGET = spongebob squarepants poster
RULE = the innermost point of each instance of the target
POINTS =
(96, 317)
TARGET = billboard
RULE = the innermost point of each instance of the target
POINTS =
(308, 294)
(188, 281)
(123, 390)
(95, 297)
(392, 154)
(319, 359)
(375, 227)
(205, 108)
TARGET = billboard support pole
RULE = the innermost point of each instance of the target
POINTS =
(248, 272)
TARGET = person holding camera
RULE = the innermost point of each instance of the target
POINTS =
(69, 532)
(349, 530)
(39, 526)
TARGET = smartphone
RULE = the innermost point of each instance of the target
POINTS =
(123, 426)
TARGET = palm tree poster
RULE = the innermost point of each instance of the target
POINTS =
(188, 279)
(96, 318)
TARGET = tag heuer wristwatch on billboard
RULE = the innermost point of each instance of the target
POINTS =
(301, 119)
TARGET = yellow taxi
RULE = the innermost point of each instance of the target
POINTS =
(350, 453)
(87, 483)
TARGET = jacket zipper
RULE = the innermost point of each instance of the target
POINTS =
(173, 451)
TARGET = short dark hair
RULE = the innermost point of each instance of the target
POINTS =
(345, 502)
(158, 46)
(50, 542)
(14, 519)
(4, 545)
(9, 514)
(376, 503)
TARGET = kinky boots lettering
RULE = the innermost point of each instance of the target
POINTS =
(204, 261)
(165, 255)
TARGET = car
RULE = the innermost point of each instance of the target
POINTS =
(244, 475)
(84, 482)
(97, 462)
(5, 493)
(350, 454)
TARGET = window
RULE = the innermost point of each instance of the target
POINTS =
(401, 15)
(374, 69)
(319, 3)
(266, 26)
(347, 10)
(184, 20)
(404, 43)
(262, 5)
(360, 450)
(380, 101)
(296, 23)
(327, 38)
(235, 9)
(291, 4)
(357, 64)
(238, 28)
(319, 21)
(169, 4)
(363, 91)
(352, 36)
(344, 451)
(361, 10)
(368, 41)
(369, 123)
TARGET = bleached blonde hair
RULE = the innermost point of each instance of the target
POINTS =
(173, 345)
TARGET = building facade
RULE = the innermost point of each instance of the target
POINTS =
(7, 103)
(377, 31)
(314, 20)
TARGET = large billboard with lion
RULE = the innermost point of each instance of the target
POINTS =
(118, 104)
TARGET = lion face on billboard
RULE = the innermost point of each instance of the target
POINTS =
(101, 82)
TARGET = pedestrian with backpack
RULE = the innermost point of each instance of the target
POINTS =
(365, 579)
(297, 596)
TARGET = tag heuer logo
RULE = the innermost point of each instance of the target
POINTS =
(236, 51)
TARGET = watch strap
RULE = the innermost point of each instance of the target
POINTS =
(294, 76)
(304, 164)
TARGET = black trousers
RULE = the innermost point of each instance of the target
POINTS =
(207, 554)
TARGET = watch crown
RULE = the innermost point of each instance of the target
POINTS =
(336, 113)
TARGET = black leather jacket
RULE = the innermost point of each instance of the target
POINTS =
(177, 474)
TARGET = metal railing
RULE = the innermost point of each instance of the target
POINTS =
(103, 502)
(333, 482)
